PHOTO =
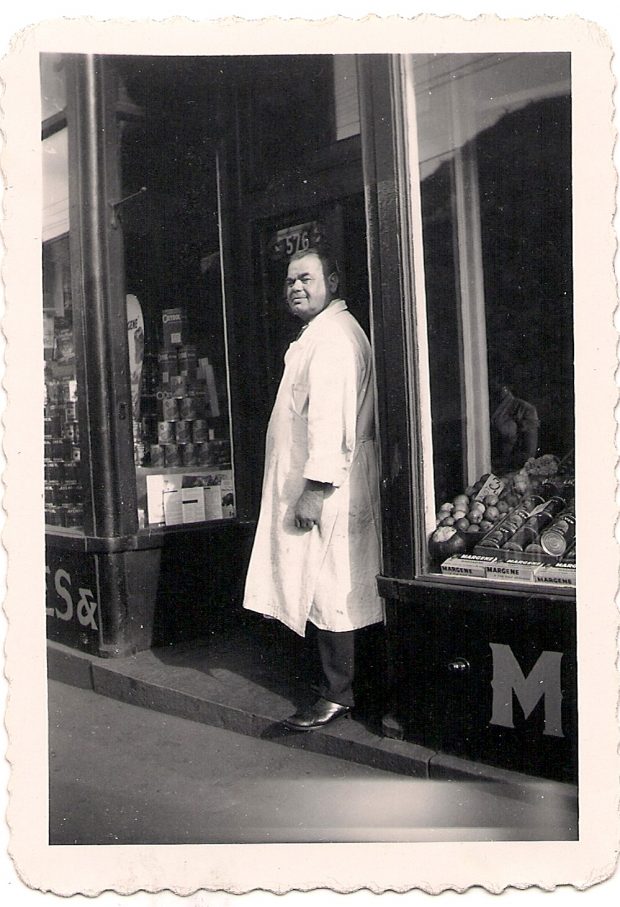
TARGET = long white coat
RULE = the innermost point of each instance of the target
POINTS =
(321, 428)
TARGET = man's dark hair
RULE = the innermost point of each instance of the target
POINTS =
(325, 256)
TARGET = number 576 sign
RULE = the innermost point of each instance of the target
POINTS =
(294, 239)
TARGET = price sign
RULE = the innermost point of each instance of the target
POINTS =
(493, 485)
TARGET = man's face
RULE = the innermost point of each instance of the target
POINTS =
(307, 291)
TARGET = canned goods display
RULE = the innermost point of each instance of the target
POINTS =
(51, 492)
(560, 535)
(157, 455)
(183, 432)
(71, 432)
(571, 554)
(219, 453)
(54, 427)
(172, 455)
(168, 365)
(200, 404)
(188, 361)
(68, 493)
(61, 448)
(201, 454)
(74, 516)
(149, 427)
(522, 537)
(165, 432)
(178, 385)
(58, 448)
(188, 408)
(53, 391)
(52, 516)
(170, 408)
(201, 431)
(189, 455)
(71, 471)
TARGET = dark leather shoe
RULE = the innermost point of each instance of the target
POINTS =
(317, 715)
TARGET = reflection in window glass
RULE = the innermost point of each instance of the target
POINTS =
(495, 170)
(178, 358)
(64, 495)
(55, 158)
(53, 88)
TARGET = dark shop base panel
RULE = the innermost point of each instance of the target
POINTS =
(233, 684)
(489, 677)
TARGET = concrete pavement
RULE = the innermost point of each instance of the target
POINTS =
(124, 774)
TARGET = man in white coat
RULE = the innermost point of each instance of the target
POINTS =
(316, 553)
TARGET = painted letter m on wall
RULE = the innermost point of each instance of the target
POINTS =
(543, 681)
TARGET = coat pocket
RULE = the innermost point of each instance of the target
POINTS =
(299, 399)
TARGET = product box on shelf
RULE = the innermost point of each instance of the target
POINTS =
(174, 327)
(467, 565)
(560, 574)
(513, 569)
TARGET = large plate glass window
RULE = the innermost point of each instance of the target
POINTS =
(64, 487)
(171, 219)
(494, 149)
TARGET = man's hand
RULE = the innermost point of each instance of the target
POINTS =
(309, 505)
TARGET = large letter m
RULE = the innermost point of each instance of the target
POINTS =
(544, 680)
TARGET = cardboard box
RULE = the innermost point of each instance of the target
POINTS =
(560, 574)
(467, 565)
(174, 327)
(517, 569)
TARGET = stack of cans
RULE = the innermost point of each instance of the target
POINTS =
(179, 433)
(63, 489)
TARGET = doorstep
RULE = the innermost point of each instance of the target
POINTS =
(201, 681)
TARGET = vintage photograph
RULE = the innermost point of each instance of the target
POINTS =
(310, 458)
(222, 240)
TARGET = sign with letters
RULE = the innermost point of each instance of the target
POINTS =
(72, 598)
(544, 681)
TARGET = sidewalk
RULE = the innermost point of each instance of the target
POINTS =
(236, 682)
(120, 774)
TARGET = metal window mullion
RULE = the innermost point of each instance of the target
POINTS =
(97, 261)
(472, 308)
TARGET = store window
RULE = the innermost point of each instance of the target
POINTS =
(172, 226)
(64, 495)
(297, 106)
(494, 149)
